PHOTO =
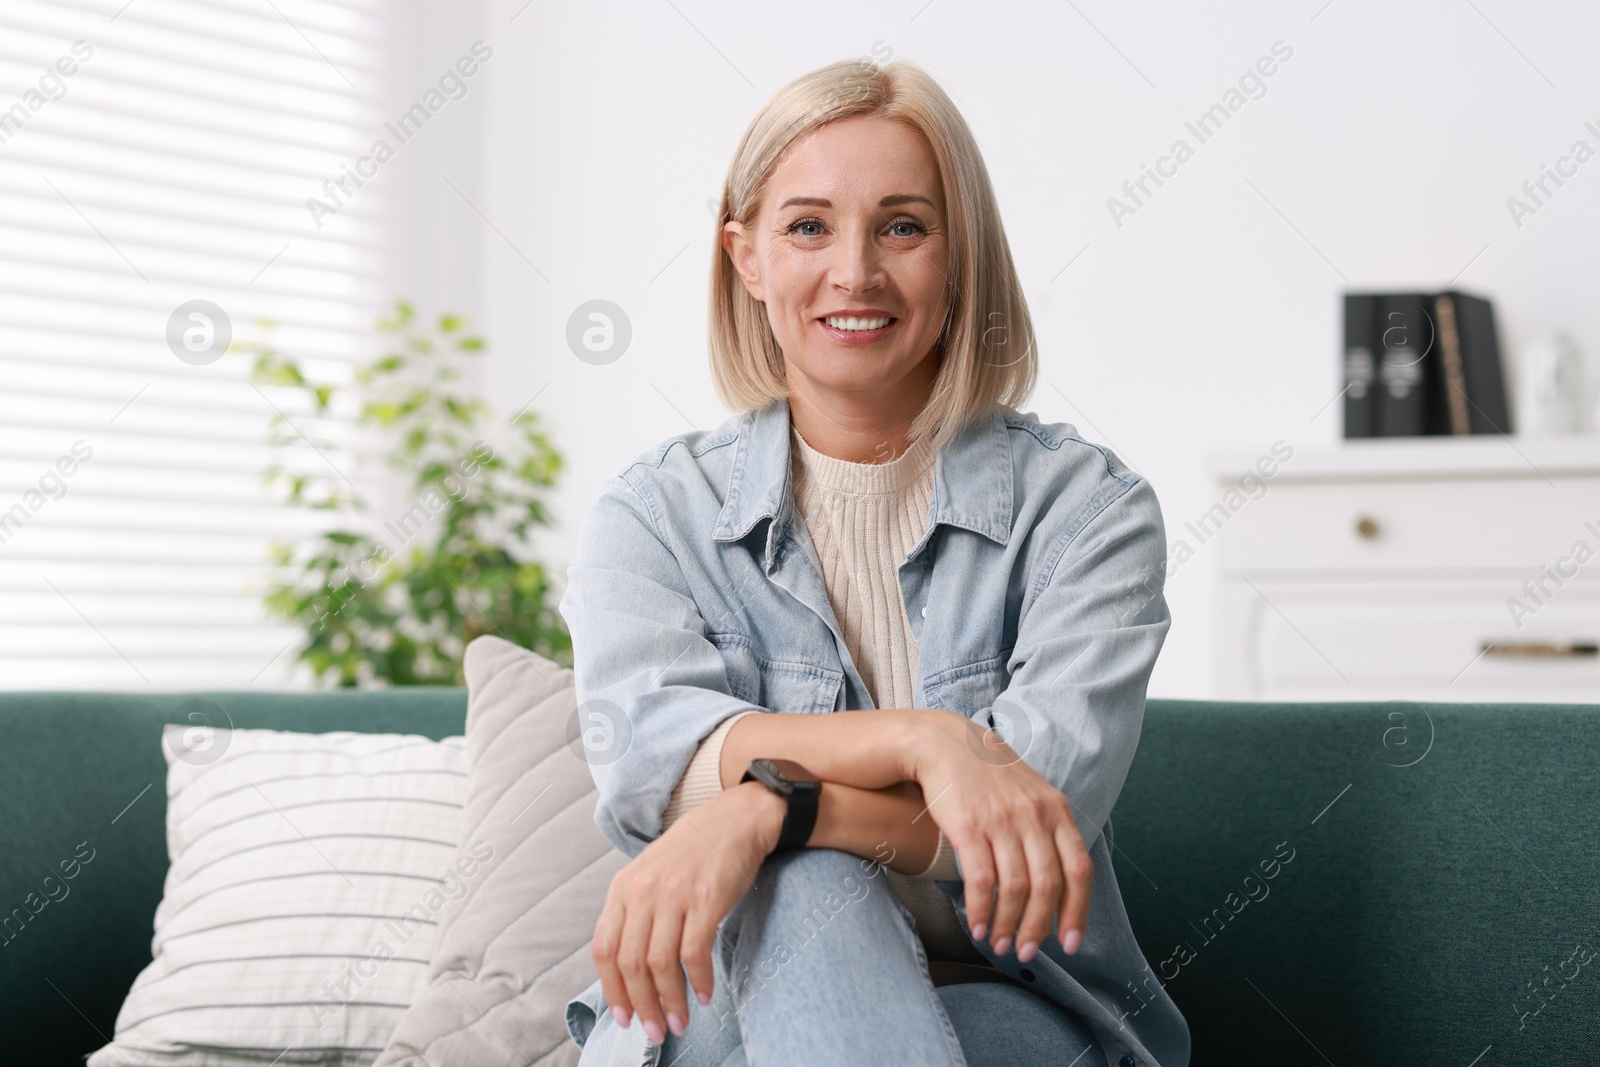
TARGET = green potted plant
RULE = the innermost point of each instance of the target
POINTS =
(394, 600)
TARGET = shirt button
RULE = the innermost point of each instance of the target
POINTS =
(1126, 1061)
(924, 611)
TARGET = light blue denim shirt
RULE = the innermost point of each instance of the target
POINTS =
(1034, 597)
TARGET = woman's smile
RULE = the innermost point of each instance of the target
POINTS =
(863, 328)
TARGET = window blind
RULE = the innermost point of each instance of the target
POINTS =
(156, 159)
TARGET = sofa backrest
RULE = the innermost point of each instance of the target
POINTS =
(1445, 867)
(82, 775)
(1344, 883)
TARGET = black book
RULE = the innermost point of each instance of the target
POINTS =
(1360, 366)
(1410, 393)
(1471, 378)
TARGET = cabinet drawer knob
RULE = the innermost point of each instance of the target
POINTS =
(1367, 526)
(1542, 648)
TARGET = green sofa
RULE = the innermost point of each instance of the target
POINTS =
(1434, 889)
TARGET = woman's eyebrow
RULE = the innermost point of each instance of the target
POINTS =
(888, 201)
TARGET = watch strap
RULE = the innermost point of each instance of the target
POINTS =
(799, 813)
(799, 819)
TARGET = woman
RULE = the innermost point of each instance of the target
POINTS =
(881, 533)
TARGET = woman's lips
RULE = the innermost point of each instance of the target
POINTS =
(857, 337)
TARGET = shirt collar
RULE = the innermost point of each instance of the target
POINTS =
(972, 479)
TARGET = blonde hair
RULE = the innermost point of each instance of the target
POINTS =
(987, 352)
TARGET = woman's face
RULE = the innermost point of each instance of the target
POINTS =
(852, 225)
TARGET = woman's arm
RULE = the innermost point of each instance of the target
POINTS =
(889, 825)
(868, 749)
(702, 781)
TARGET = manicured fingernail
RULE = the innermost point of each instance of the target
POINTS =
(674, 1024)
(1025, 953)
(979, 931)
(652, 1030)
(1002, 946)
(622, 1017)
(703, 997)
(1071, 942)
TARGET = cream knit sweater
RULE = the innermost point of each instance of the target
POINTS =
(863, 519)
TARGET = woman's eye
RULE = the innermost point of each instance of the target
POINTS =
(915, 228)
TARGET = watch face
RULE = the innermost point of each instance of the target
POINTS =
(783, 776)
(790, 770)
(768, 773)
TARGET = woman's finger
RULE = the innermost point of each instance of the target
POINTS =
(1079, 871)
(977, 874)
(666, 971)
(1046, 880)
(699, 936)
(1011, 883)
(607, 933)
(633, 954)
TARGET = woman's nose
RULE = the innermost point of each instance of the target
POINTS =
(857, 263)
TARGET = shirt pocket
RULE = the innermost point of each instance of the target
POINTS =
(784, 685)
(971, 687)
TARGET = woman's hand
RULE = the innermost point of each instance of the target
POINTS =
(665, 905)
(1012, 829)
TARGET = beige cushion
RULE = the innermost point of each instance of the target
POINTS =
(302, 902)
(515, 949)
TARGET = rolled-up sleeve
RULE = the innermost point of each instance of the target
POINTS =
(1091, 627)
(647, 677)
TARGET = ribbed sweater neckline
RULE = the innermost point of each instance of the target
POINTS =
(866, 479)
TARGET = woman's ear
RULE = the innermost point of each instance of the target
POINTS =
(741, 251)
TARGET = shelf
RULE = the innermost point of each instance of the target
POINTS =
(1406, 458)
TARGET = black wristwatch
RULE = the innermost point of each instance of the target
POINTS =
(799, 792)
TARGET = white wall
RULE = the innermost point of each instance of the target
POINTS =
(1381, 154)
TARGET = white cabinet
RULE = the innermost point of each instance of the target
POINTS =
(1417, 569)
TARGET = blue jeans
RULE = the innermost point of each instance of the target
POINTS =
(820, 964)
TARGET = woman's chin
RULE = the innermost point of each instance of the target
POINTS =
(853, 372)
(851, 385)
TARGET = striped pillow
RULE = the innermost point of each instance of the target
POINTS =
(308, 873)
